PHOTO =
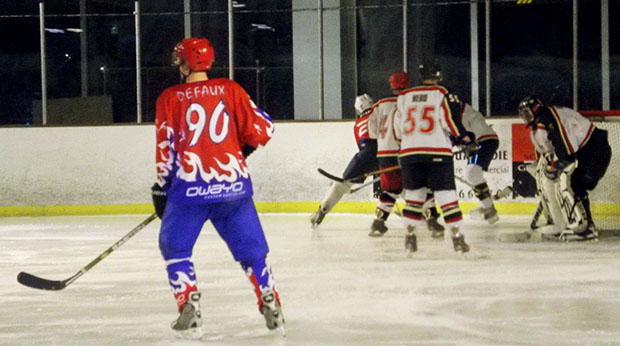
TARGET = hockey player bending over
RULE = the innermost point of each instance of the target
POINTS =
(205, 129)
(582, 155)
(364, 161)
(381, 127)
(427, 116)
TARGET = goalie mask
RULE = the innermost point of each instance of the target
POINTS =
(529, 109)
(197, 53)
(363, 103)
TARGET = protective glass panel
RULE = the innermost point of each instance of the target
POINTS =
(157, 72)
(264, 54)
(20, 71)
(432, 28)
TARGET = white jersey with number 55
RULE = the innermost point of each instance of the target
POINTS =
(427, 116)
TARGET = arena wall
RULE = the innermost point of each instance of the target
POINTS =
(109, 169)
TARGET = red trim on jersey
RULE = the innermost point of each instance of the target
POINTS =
(385, 100)
(414, 203)
(487, 137)
(587, 138)
(384, 153)
(448, 116)
(431, 151)
(563, 132)
(425, 88)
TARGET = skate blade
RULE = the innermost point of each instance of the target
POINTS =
(281, 331)
(375, 234)
(493, 220)
(189, 334)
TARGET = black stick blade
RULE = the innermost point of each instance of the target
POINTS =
(330, 176)
(40, 283)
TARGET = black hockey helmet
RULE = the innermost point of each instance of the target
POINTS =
(529, 108)
(430, 71)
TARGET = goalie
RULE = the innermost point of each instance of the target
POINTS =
(575, 156)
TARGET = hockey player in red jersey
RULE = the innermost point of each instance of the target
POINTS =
(428, 115)
(364, 161)
(582, 155)
(205, 129)
(381, 128)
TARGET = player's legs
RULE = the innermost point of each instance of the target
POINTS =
(391, 187)
(362, 162)
(180, 227)
(415, 191)
(441, 182)
(592, 163)
(476, 165)
(238, 224)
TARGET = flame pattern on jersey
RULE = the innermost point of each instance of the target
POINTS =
(201, 131)
(229, 172)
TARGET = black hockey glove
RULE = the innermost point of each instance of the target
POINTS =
(247, 150)
(159, 199)
(471, 148)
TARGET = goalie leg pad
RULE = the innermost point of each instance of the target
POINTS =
(572, 208)
(546, 190)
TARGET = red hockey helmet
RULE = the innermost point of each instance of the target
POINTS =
(197, 53)
(399, 80)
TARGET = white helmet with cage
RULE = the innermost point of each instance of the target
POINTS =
(363, 103)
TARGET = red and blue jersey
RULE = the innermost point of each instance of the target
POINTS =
(360, 130)
(201, 129)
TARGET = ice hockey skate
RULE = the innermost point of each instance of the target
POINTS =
(317, 217)
(411, 240)
(189, 323)
(589, 234)
(487, 214)
(458, 241)
(378, 228)
(272, 311)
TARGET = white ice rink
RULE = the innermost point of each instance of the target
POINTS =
(338, 286)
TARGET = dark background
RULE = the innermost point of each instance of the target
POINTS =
(531, 51)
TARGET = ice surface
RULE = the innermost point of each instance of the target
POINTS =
(338, 286)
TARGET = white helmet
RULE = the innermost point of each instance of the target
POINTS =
(362, 103)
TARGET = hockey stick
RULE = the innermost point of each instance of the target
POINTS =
(539, 211)
(499, 194)
(363, 176)
(364, 185)
(56, 285)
